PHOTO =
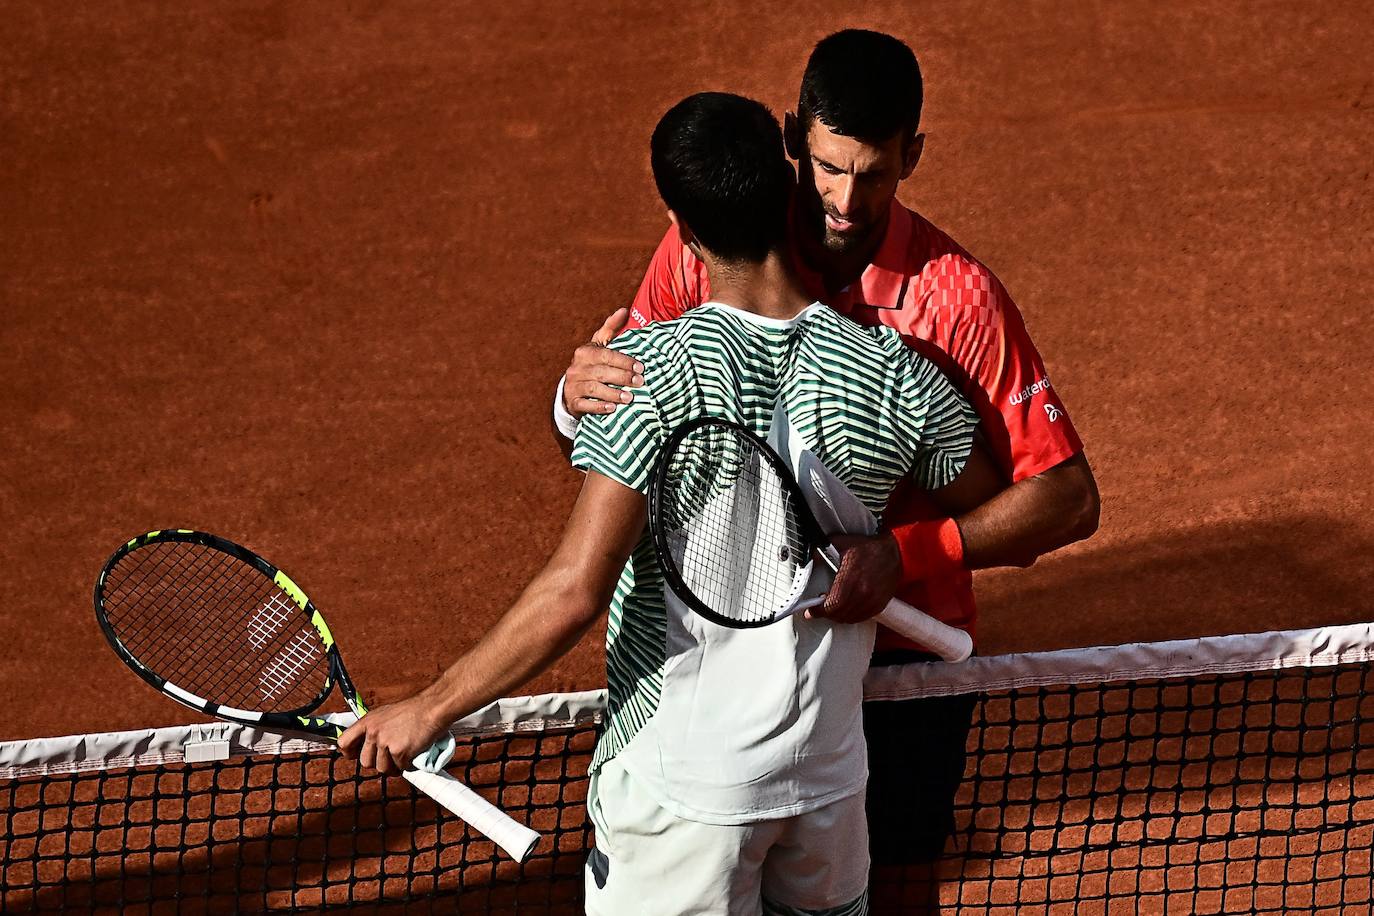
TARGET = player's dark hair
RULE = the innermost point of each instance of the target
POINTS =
(719, 164)
(862, 84)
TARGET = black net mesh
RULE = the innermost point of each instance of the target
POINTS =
(295, 832)
(1246, 793)
(1249, 792)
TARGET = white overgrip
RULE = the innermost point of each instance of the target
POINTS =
(503, 830)
(950, 643)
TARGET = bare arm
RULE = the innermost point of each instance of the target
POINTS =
(1031, 517)
(548, 619)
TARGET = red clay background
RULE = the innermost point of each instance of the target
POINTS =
(304, 275)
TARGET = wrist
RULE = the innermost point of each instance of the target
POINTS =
(440, 702)
(563, 418)
(929, 550)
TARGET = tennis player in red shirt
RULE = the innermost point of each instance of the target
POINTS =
(855, 138)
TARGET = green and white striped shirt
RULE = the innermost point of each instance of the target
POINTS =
(872, 409)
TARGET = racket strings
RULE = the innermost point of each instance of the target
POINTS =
(163, 633)
(150, 616)
(216, 627)
(734, 531)
(217, 581)
(167, 632)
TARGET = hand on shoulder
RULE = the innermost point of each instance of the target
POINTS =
(596, 378)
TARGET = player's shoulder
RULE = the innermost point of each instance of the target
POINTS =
(640, 342)
(668, 333)
(858, 340)
(875, 358)
(950, 280)
(666, 349)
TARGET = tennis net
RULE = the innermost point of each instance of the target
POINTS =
(1218, 775)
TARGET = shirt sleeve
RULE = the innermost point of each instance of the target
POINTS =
(1024, 420)
(674, 282)
(624, 444)
(944, 423)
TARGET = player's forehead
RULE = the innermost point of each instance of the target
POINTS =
(850, 153)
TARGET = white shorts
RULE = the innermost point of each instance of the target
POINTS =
(649, 862)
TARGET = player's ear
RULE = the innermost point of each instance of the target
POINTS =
(684, 231)
(912, 155)
(792, 136)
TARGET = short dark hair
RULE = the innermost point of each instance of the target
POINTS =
(719, 164)
(862, 84)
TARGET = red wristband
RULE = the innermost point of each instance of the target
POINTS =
(929, 550)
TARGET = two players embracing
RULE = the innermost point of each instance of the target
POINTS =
(787, 839)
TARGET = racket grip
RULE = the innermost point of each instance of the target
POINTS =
(498, 826)
(950, 643)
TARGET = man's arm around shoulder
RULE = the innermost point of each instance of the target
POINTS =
(595, 382)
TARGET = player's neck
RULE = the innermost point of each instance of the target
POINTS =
(770, 289)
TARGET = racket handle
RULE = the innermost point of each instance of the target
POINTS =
(950, 643)
(498, 826)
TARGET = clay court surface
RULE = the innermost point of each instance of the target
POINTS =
(305, 275)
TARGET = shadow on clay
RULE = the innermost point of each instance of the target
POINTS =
(1294, 571)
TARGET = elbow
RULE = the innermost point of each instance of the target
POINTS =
(1069, 510)
(1076, 503)
(576, 602)
(580, 609)
(1086, 513)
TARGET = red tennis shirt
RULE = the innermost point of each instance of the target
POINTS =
(954, 311)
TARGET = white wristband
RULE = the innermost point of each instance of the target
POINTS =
(565, 421)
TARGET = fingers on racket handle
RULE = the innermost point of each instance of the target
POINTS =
(950, 643)
(498, 826)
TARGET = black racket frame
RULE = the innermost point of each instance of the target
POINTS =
(295, 720)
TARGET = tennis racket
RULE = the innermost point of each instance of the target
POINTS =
(218, 628)
(737, 540)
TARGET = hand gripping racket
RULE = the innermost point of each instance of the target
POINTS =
(218, 628)
(737, 540)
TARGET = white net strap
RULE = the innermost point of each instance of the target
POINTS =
(1210, 655)
(1350, 644)
(154, 746)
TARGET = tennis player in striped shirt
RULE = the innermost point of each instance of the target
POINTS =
(730, 774)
